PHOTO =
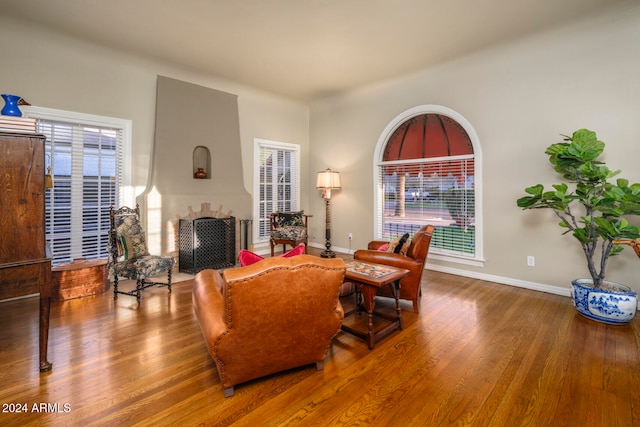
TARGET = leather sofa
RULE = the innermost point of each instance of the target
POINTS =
(274, 315)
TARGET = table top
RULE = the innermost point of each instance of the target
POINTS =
(373, 274)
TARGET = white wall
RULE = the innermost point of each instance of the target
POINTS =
(53, 70)
(519, 97)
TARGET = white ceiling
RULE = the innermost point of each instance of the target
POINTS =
(301, 49)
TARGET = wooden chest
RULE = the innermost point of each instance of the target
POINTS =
(79, 278)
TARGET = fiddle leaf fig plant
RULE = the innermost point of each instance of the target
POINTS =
(590, 204)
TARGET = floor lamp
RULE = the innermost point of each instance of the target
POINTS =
(328, 180)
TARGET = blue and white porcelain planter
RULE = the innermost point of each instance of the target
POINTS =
(617, 307)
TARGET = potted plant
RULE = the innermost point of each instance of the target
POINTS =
(593, 209)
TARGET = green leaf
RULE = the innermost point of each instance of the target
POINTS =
(585, 145)
(616, 250)
(527, 202)
(562, 188)
(581, 235)
(536, 190)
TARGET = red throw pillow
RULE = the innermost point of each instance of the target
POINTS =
(384, 247)
(298, 250)
(246, 257)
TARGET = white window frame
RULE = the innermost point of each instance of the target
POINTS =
(123, 125)
(259, 145)
(478, 258)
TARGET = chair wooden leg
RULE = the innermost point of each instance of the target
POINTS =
(169, 280)
(272, 248)
(115, 287)
(139, 286)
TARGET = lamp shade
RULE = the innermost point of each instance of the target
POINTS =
(328, 179)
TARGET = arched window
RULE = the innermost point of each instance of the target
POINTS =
(427, 172)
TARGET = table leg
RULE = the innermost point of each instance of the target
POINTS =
(369, 300)
(395, 289)
(45, 310)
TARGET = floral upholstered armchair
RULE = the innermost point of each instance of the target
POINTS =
(289, 228)
(128, 255)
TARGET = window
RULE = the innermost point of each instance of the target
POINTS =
(85, 154)
(277, 182)
(426, 164)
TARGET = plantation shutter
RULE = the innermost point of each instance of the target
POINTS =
(278, 181)
(87, 167)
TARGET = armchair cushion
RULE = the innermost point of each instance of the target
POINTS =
(141, 267)
(289, 232)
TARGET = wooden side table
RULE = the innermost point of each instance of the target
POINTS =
(370, 277)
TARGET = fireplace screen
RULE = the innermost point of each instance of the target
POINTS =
(206, 243)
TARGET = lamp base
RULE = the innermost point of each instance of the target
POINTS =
(327, 254)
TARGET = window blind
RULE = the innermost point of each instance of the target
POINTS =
(278, 173)
(438, 191)
(87, 167)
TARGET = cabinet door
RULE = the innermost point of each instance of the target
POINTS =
(22, 228)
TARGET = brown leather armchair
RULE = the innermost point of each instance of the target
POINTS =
(274, 315)
(413, 261)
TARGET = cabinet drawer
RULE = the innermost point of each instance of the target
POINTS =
(21, 280)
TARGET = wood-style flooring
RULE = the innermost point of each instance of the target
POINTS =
(478, 354)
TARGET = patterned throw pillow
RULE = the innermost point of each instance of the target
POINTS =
(133, 245)
(400, 245)
(128, 225)
(290, 219)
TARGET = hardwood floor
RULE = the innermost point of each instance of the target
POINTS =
(478, 354)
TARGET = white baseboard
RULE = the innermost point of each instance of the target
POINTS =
(501, 280)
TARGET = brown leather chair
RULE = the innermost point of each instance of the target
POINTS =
(288, 228)
(271, 316)
(413, 261)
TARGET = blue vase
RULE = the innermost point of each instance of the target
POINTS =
(11, 105)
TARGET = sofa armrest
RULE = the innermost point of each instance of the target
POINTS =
(387, 258)
(375, 245)
(209, 306)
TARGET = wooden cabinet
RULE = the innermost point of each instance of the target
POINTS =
(24, 266)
